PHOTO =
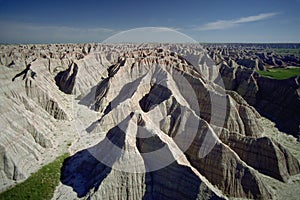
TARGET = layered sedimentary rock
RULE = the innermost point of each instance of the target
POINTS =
(276, 99)
(150, 123)
(267, 156)
(161, 102)
(256, 56)
(28, 114)
(87, 174)
(33, 107)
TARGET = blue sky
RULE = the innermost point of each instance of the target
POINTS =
(58, 21)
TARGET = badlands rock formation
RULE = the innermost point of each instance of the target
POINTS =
(277, 100)
(256, 56)
(145, 122)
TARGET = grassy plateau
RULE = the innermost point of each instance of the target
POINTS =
(280, 73)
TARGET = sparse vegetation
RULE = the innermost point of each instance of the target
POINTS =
(284, 51)
(280, 73)
(40, 185)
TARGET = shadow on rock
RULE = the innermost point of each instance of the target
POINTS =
(83, 171)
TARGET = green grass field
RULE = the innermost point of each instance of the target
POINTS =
(40, 185)
(280, 73)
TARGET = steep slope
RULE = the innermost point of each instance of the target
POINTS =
(28, 117)
(163, 110)
(278, 100)
(35, 115)
(140, 122)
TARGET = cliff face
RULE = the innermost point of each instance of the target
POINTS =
(144, 124)
(28, 115)
(171, 109)
(36, 117)
(278, 100)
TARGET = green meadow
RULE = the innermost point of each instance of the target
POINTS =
(280, 73)
(40, 185)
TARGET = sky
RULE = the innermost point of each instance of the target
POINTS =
(74, 21)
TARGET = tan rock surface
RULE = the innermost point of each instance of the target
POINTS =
(114, 104)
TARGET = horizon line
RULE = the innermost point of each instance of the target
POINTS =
(237, 42)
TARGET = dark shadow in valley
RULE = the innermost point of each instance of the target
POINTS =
(126, 92)
(92, 126)
(89, 99)
(278, 100)
(158, 94)
(65, 80)
(86, 170)
(179, 180)
(83, 172)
